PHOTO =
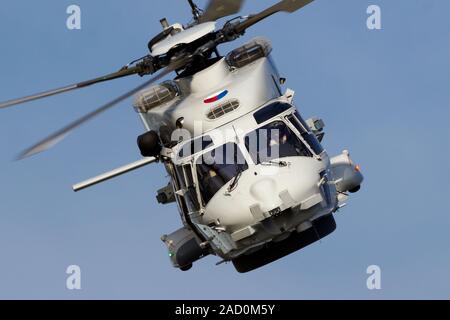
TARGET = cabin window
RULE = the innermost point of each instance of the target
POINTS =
(217, 167)
(274, 141)
(271, 111)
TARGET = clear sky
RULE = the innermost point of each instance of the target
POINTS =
(383, 94)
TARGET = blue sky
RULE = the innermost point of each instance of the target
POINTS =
(383, 95)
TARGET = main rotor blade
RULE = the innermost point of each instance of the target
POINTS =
(285, 5)
(112, 76)
(56, 137)
(220, 8)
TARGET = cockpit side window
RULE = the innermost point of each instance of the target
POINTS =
(186, 182)
(191, 188)
(274, 141)
(305, 132)
(270, 111)
(217, 167)
(181, 178)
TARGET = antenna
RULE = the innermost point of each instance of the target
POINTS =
(195, 10)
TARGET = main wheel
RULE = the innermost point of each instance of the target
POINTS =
(186, 268)
(277, 250)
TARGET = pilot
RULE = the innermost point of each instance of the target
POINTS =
(279, 139)
(287, 144)
(212, 181)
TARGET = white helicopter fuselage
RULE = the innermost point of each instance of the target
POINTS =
(249, 175)
(266, 202)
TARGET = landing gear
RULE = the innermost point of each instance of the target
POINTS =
(186, 268)
(277, 250)
(355, 190)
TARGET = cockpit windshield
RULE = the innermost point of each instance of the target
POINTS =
(217, 167)
(274, 141)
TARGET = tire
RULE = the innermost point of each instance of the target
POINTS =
(186, 268)
(273, 251)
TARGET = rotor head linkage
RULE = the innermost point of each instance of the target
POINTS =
(196, 12)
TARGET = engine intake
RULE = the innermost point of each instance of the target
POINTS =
(156, 96)
(256, 49)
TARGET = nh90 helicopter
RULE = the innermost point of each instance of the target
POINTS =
(250, 177)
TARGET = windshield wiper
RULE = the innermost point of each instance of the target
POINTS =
(276, 163)
(234, 183)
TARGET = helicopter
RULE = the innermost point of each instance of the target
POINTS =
(250, 177)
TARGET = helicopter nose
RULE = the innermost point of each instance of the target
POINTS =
(261, 194)
(287, 188)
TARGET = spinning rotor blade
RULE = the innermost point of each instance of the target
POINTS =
(220, 8)
(121, 73)
(56, 137)
(285, 5)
